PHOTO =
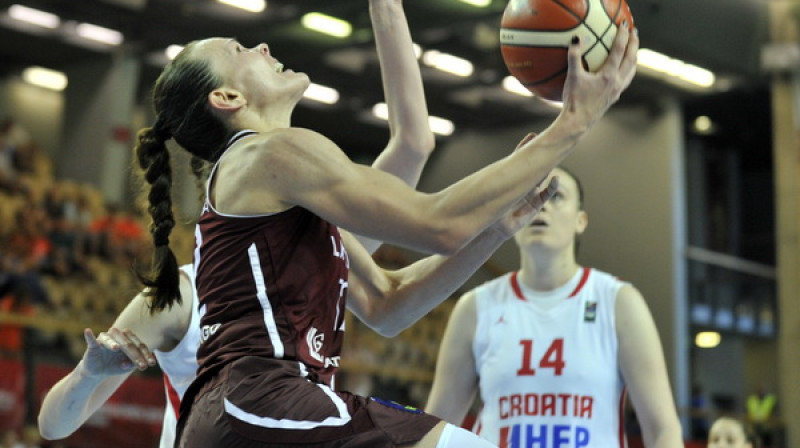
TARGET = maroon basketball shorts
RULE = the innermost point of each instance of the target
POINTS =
(258, 402)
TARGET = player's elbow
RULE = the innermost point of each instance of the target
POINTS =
(387, 328)
(425, 142)
(416, 140)
(383, 321)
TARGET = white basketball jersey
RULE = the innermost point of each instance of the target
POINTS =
(547, 363)
(179, 367)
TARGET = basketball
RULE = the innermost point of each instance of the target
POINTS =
(535, 36)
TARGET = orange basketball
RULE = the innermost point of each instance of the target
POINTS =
(535, 35)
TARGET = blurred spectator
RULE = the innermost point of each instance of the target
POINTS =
(728, 432)
(28, 246)
(25, 157)
(11, 336)
(127, 233)
(67, 256)
(8, 176)
(699, 421)
(31, 437)
(16, 151)
(761, 407)
(117, 235)
(11, 440)
(23, 255)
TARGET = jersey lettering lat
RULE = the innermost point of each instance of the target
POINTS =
(547, 363)
(290, 306)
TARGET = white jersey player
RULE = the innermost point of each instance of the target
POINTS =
(173, 336)
(551, 356)
(553, 348)
(179, 367)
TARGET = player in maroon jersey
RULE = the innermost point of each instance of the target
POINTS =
(275, 266)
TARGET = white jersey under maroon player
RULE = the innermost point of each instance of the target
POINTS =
(547, 363)
(179, 367)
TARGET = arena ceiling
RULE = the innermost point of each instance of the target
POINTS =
(725, 36)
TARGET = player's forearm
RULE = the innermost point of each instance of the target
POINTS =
(667, 440)
(666, 434)
(402, 82)
(66, 406)
(411, 140)
(449, 405)
(473, 203)
(423, 285)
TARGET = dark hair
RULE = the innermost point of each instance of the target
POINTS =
(180, 100)
(578, 184)
(580, 201)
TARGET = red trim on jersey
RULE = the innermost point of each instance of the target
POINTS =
(515, 286)
(518, 290)
(172, 395)
(622, 443)
(584, 278)
(503, 442)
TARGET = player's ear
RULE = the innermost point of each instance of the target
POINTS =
(582, 222)
(226, 99)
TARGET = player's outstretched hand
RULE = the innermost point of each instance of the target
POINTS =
(588, 95)
(526, 209)
(114, 352)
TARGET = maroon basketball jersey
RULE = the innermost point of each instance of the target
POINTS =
(272, 286)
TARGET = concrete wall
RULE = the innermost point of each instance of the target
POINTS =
(38, 110)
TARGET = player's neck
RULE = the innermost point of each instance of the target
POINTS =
(545, 273)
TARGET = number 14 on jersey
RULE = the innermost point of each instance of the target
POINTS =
(553, 357)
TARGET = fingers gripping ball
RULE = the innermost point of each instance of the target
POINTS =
(535, 36)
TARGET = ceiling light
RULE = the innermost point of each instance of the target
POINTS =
(381, 110)
(703, 125)
(707, 339)
(321, 94)
(478, 3)
(173, 50)
(417, 50)
(512, 84)
(34, 16)
(448, 63)
(675, 69)
(255, 6)
(441, 126)
(99, 34)
(326, 24)
(44, 77)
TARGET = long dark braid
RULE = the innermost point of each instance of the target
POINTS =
(162, 280)
(180, 99)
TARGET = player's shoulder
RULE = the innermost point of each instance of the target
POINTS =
(279, 137)
(281, 150)
(604, 279)
(501, 284)
(495, 291)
